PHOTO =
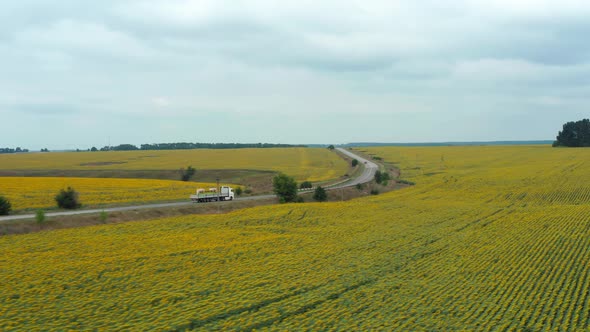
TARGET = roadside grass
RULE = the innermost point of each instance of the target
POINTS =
(60, 222)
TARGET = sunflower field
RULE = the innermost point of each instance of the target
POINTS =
(488, 239)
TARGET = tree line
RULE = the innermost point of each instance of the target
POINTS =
(574, 134)
(9, 150)
(189, 146)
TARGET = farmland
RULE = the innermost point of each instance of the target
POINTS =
(302, 163)
(39, 192)
(489, 238)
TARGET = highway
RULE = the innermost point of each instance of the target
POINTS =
(369, 169)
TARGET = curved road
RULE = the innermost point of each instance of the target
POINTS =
(366, 176)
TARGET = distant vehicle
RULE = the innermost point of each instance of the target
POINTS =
(211, 195)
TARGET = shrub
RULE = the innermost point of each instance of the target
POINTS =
(320, 194)
(5, 206)
(285, 187)
(359, 186)
(187, 174)
(374, 192)
(103, 216)
(68, 199)
(238, 191)
(381, 177)
(355, 162)
(248, 191)
(306, 185)
(40, 217)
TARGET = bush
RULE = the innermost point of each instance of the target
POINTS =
(320, 194)
(374, 192)
(40, 217)
(238, 191)
(285, 187)
(68, 199)
(187, 174)
(306, 185)
(382, 177)
(5, 206)
(355, 162)
(359, 186)
(103, 216)
(248, 191)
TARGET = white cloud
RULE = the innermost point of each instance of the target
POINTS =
(384, 66)
(72, 35)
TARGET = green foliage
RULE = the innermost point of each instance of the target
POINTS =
(94, 149)
(68, 199)
(355, 162)
(320, 194)
(103, 216)
(238, 191)
(306, 185)
(574, 134)
(285, 187)
(40, 217)
(381, 177)
(374, 192)
(248, 191)
(359, 186)
(5, 206)
(331, 147)
(187, 174)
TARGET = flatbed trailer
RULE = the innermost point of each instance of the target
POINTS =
(212, 195)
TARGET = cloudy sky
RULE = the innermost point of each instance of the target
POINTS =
(82, 73)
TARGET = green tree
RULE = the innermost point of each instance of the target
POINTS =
(94, 149)
(378, 175)
(355, 162)
(331, 147)
(68, 199)
(305, 185)
(40, 217)
(103, 216)
(381, 177)
(238, 191)
(5, 206)
(320, 194)
(285, 187)
(574, 134)
(187, 174)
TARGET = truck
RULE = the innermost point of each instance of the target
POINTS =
(212, 195)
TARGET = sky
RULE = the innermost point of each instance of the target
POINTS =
(76, 74)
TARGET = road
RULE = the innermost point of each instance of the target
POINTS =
(367, 175)
(368, 172)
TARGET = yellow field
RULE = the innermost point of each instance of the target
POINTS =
(35, 192)
(490, 238)
(303, 163)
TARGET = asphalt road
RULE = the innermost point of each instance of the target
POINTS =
(368, 172)
(367, 175)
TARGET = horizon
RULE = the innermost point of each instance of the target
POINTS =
(312, 145)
